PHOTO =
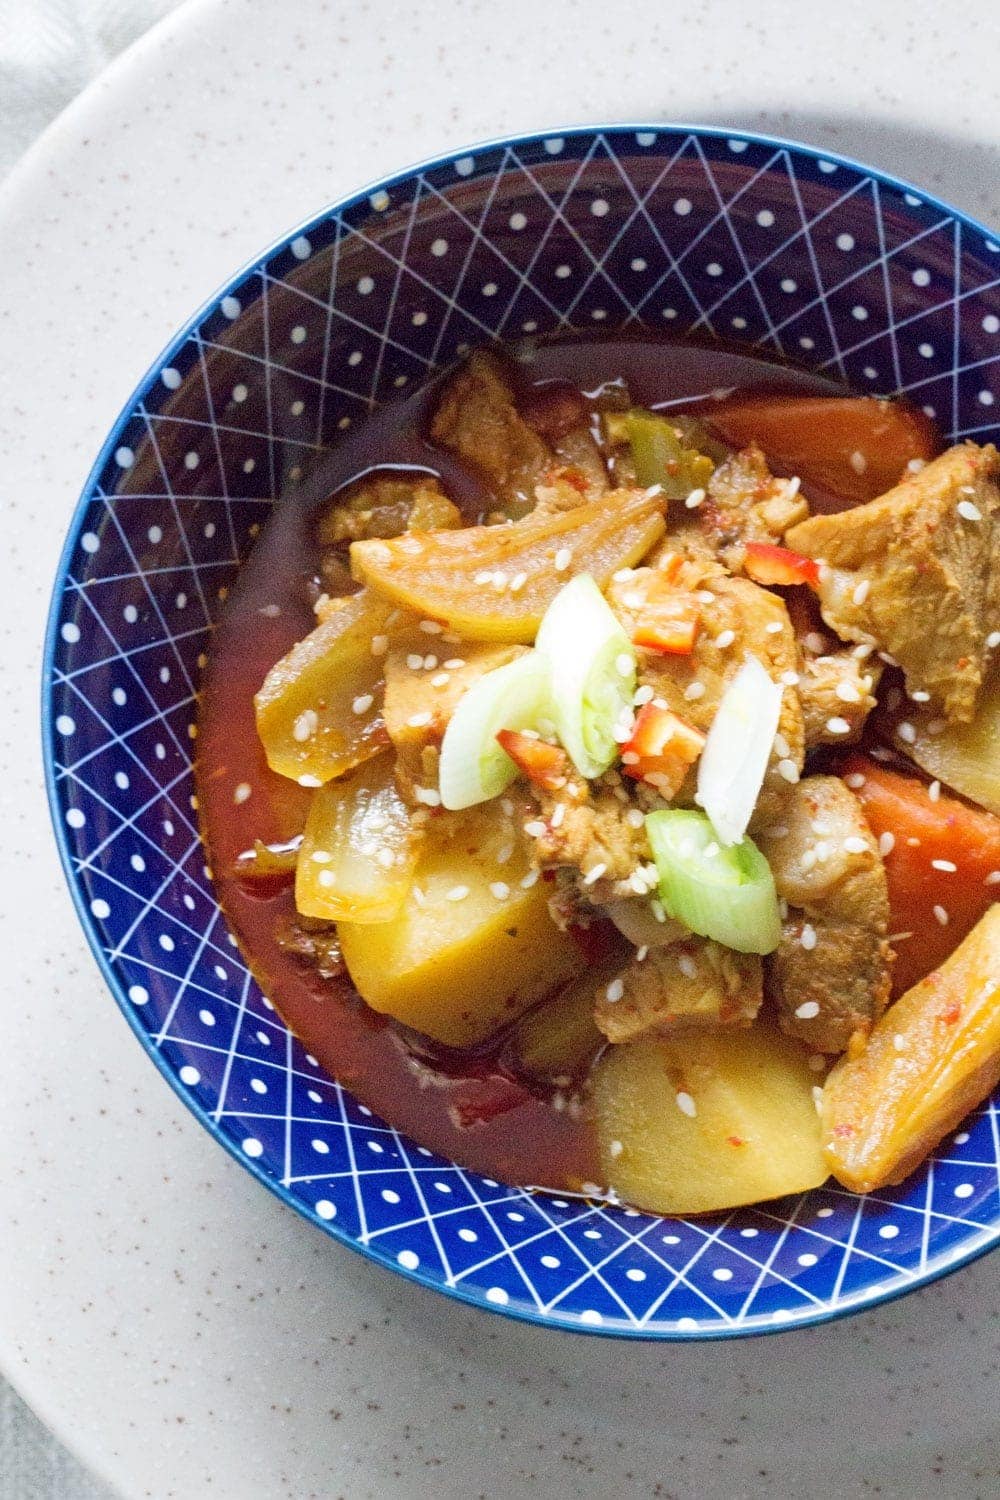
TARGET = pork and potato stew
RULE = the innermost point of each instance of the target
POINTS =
(603, 783)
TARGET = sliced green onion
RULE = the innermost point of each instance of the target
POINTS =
(592, 669)
(738, 747)
(473, 768)
(661, 457)
(725, 894)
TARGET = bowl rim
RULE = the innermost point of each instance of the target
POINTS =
(948, 1260)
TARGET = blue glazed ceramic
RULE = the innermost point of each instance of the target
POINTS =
(813, 258)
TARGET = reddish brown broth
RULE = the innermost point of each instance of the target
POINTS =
(470, 1108)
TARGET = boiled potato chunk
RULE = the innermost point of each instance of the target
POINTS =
(702, 1123)
(933, 1056)
(470, 948)
(558, 1038)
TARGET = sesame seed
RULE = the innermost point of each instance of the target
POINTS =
(854, 781)
(241, 793)
(836, 725)
(642, 953)
(305, 725)
(485, 575)
(420, 720)
(517, 583)
(653, 491)
(326, 877)
(694, 499)
(781, 745)
(615, 990)
(431, 627)
(321, 856)
(855, 844)
(386, 858)
(418, 896)
(695, 690)
(941, 915)
(862, 652)
(686, 1104)
(380, 645)
(615, 1149)
(945, 865)
(527, 881)
(725, 638)
(777, 831)
(773, 627)
(808, 1010)
(630, 758)
(308, 780)
(427, 795)
(535, 828)
(500, 890)
(898, 937)
(822, 851)
(919, 696)
(594, 874)
(633, 600)
(993, 878)
(705, 596)
(861, 591)
(687, 965)
(968, 511)
(623, 575)
(899, 1042)
(563, 559)
(710, 850)
(642, 695)
(858, 461)
(499, 580)
(634, 818)
(816, 1063)
(363, 704)
(789, 771)
(906, 732)
(817, 1094)
(430, 662)
(414, 661)
(807, 859)
(658, 909)
(789, 679)
(913, 843)
(457, 893)
(440, 679)
(814, 642)
(819, 828)
(934, 791)
(847, 692)
(558, 813)
(993, 639)
(936, 726)
(624, 664)
(792, 487)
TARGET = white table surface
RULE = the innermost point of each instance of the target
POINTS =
(180, 1329)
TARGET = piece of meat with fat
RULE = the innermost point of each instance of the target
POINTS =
(477, 419)
(917, 573)
(737, 617)
(587, 830)
(420, 699)
(385, 505)
(691, 985)
(830, 975)
(837, 693)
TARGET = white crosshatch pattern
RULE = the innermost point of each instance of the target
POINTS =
(735, 239)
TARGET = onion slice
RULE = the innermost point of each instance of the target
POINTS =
(734, 760)
(592, 674)
(473, 767)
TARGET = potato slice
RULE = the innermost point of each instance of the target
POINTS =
(933, 1056)
(463, 577)
(965, 757)
(319, 711)
(470, 948)
(359, 849)
(558, 1038)
(705, 1122)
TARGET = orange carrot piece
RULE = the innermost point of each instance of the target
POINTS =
(942, 861)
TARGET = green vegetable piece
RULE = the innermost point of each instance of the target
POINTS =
(723, 893)
(661, 457)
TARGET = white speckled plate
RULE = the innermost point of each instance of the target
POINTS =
(186, 1334)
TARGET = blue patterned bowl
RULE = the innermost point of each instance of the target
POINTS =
(773, 245)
